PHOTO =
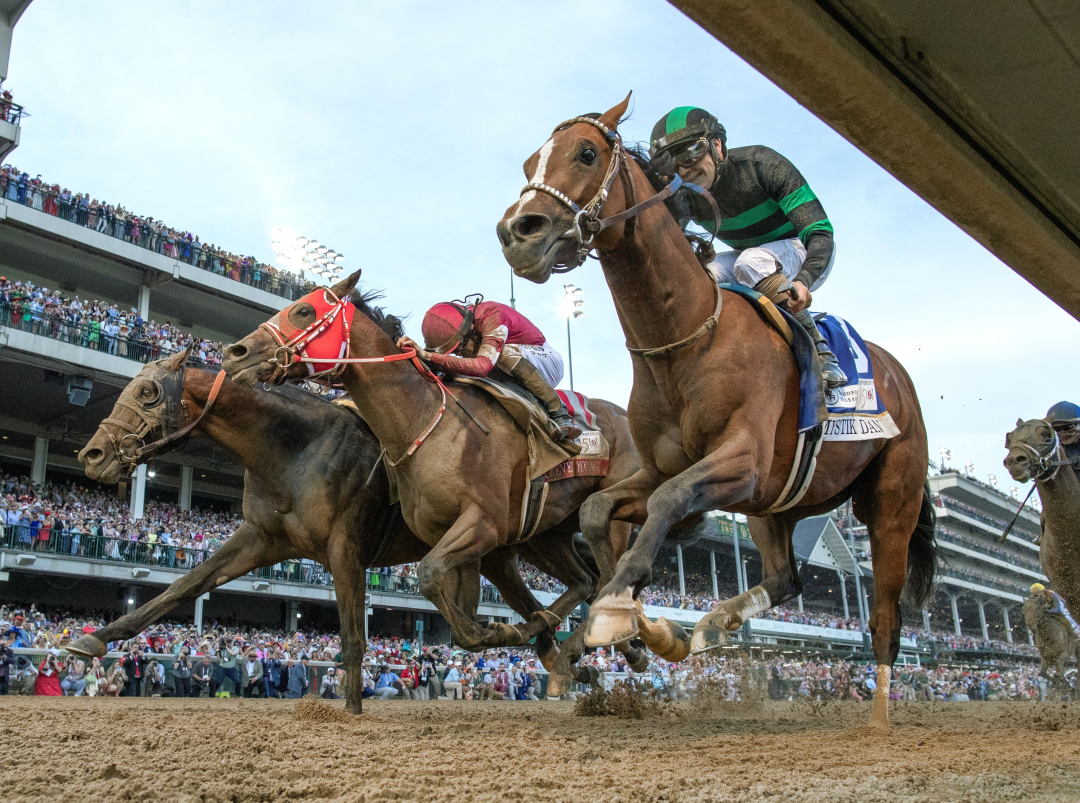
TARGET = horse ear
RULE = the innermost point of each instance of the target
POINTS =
(346, 285)
(177, 360)
(1019, 422)
(611, 117)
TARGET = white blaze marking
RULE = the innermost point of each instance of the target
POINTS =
(538, 176)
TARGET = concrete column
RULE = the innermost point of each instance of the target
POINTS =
(1008, 627)
(138, 492)
(926, 620)
(41, 456)
(187, 477)
(144, 302)
(712, 566)
(745, 575)
(955, 614)
(982, 618)
(367, 617)
(682, 577)
(131, 598)
(740, 568)
(1031, 639)
(843, 593)
(859, 595)
(292, 616)
(199, 611)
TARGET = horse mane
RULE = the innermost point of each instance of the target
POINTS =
(392, 325)
(702, 246)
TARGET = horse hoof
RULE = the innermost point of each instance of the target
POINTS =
(88, 647)
(558, 685)
(612, 619)
(636, 657)
(709, 637)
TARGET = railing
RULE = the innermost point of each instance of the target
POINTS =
(972, 577)
(994, 552)
(70, 543)
(978, 515)
(12, 112)
(85, 335)
(128, 228)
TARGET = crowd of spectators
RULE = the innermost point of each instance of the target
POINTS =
(113, 220)
(97, 325)
(987, 548)
(175, 660)
(979, 515)
(951, 642)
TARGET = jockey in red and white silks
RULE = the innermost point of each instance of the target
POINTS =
(472, 339)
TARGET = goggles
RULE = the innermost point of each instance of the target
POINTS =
(666, 162)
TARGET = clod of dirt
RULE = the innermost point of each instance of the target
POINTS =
(112, 772)
(624, 701)
(311, 709)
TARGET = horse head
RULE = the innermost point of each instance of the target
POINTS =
(550, 221)
(1031, 446)
(318, 324)
(148, 408)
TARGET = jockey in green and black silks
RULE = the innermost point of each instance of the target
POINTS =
(781, 239)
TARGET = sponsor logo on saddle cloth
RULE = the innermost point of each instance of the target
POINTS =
(592, 460)
(855, 411)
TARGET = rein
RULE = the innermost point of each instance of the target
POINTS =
(1047, 470)
(587, 220)
(142, 451)
(294, 350)
(588, 223)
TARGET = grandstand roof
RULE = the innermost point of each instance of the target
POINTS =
(817, 541)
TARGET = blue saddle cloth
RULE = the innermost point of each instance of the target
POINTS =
(858, 397)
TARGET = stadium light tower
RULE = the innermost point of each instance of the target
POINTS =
(969, 468)
(570, 307)
(946, 455)
(298, 253)
(993, 480)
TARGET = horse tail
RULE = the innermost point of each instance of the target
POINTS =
(922, 560)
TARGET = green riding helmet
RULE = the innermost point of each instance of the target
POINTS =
(682, 136)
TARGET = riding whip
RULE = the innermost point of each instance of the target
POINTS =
(1004, 535)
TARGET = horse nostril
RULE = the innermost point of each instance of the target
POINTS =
(236, 351)
(503, 230)
(526, 226)
(92, 456)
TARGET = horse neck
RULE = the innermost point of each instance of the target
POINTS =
(1061, 495)
(237, 420)
(660, 290)
(392, 397)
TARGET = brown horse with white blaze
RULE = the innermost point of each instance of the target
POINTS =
(714, 404)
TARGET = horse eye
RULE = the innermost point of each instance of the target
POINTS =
(588, 156)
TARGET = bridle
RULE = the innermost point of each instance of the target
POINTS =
(587, 221)
(292, 350)
(131, 449)
(1043, 461)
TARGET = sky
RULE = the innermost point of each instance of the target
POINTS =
(395, 133)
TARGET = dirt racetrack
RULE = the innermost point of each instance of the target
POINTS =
(254, 750)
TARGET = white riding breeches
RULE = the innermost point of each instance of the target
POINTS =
(751, 265)
(543, 358)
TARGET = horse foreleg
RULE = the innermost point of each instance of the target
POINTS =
(350, 581)
(248, 548)
(454, 564)
(779, 583)
(726, 477)
(500, 567)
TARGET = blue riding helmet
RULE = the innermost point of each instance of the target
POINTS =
(1063, 413)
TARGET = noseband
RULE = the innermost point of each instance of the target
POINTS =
(587, 220)
(1044, 462)
(131, 449)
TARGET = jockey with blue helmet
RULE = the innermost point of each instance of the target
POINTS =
(1064, 417)
(756, 201)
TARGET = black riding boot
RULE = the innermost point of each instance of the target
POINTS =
(528, 377)
(830, 369)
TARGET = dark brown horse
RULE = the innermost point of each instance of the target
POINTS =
(1054, 639)
(1035, 453)
(307, 494)
(461, 490)
(714, 415)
